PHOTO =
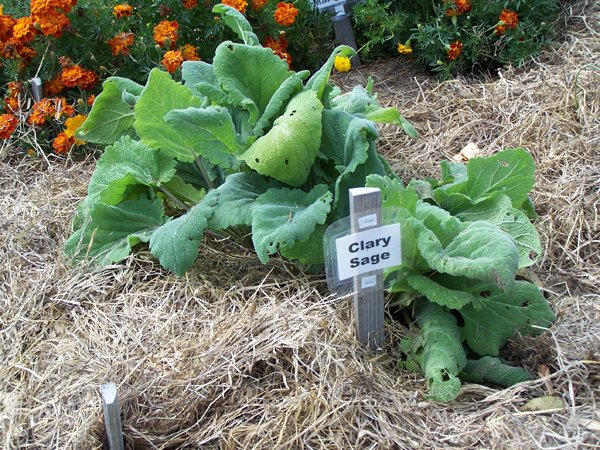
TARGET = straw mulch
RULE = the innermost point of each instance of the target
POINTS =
(240, 355)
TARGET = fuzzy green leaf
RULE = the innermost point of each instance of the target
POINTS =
(237, 22)
(490, 322)
(439, 351)
(235, 200)
(249, 75)
(493, 370)
(160, 96)
(320, 78)
(438, 293)
(185, 192)
(287, 152)
(113, 230)
(194, 73)
(177, 242)
(111, 117)
(482, 252)
(208, 132)
(498, 209)
(282, 217)
(126, 163)
(309, 251)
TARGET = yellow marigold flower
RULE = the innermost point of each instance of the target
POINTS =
(166, 31)
(119, 45)
(240, 5)
(285, 14)
(123, 10)
(189, 53)
(71, 125)
(404, 49)
(190, 4)
(62, 143)
(8, 124)
(342, 64)
(172, 60)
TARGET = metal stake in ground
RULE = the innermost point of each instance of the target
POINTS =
(112, 416)
(365, 213)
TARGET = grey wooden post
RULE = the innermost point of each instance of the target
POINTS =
(365, 213)
(112, 416)
(36, 88)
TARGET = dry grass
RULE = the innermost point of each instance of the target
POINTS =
(240, 355)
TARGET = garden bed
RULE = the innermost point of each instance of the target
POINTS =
(238, 355)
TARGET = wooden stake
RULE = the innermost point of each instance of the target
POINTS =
(365, 213)
(112, 416)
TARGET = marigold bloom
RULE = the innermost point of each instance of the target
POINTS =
(71, 125)
(164, 31)
(40, 111)
(508, 21)
(6, 25)
(90, 100)
(51, 24)
(342, 63)
(76, 76)
(240, 5)
(279, 47)
(172, 60)
(285, 14)
(119, 45)
(124, 10)
(54, 86)
(189, 53)
(62, 108)
(190, 4)
(8, 124)
(257, 5)
(23, 30)
(404, 49)
(455, 50)
(63, 143)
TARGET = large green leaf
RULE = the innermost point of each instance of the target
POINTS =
(237, 22)
(288, 150)
(111, 117)
(282, 217)
(438, 351)
(493, 370)
(498, 209)
(114, 229)
(126, 163)
(160, 96)
(309, 251)
(235, 199)
(209, 132)
(481, 251)
(250, 75)
(320, 78)
(510, 172)
(177, 242)
(194, 73)
(438, 293)
(490, 322)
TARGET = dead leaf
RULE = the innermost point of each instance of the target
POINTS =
(590, 424)
(544, 403)
(470, 151)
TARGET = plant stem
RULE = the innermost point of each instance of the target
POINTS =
(174, 199)
(200, 164)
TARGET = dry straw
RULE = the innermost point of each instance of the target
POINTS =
(240, 355)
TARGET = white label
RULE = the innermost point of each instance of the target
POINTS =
(322, 4)
(368, 281)
(367, 221)
(366, 251)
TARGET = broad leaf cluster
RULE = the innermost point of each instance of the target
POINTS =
(464, 239)
(243, 145)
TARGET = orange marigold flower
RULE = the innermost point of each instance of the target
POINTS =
(278, 44)
(52, 24)
(63, 143)
(6, 25)
(463, 6)
(124, 10)
(172, 60)
(76, 76)
(12, 103)
(189, 52)
(190, 4)
(54, 86)
(8, 124)
(62, 108)
(90, 100)
(508, 21)
(455, 50)
(23, 30)
(257, 5)
(240, 5)
(120, 43)
(166, 31)
(40, 111)
(285, 14)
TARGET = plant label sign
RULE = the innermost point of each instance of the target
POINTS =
(325, 4)
(367, 251)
